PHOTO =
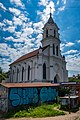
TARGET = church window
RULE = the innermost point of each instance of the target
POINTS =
(13, 71)
(54, 33)
(53, 49)
(22, 73)
(57, 50)
(46, 32)
(17, 73)
(13, 75)
(28, 72)
(44, 71)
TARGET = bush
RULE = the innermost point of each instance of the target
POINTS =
(41, 111)
(45, 110)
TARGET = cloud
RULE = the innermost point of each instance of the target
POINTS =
(15, 11)
(2, 24)
(78, 41)
(71, 52)
(66, 44)
(62, 46)
(7, 22)
(58, 1)
(11, 53)
(17, 3)
(43, 2)
(18, 34)
(44, 15)
(9, 38)
(4, 64)
(11, 29)
(23, 17)
(28, 31)
(64, 1)
(73, 62)
(38, 27)
(61, 8)
(69, 44)
(17, 21)
(6, 49)
(2, 6)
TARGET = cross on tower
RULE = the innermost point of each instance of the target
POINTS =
(50, 11)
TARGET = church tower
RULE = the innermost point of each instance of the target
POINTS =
(56, 63)
(51, 37)
(50, 29)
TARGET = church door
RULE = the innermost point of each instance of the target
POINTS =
(55, 79)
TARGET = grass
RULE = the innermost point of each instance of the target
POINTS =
(45, 110)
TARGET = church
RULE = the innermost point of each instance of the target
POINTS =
(45, 64)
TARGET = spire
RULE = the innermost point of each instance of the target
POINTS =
(50, 11)
(50, 20)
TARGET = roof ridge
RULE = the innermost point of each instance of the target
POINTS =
(26, 56)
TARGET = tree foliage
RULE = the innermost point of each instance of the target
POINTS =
(0, 70)
(2, 75)
(63, 91)
(74, 78)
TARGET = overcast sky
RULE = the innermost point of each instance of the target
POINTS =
(21, 23)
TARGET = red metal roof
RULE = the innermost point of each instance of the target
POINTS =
(34, 84)
(29, 55)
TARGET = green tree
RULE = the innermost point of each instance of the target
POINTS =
(63, 91)
(0, 70)
(78, 76)
(2, 75)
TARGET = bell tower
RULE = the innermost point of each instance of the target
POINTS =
(50, 28)
(51, 36)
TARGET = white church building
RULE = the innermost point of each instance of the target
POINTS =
(45, 64)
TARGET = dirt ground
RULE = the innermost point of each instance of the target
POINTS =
(72, 116)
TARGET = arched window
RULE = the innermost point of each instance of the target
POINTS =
(13, 72)
(28, 72)
(22, 73)
(53, 49)
(46, 32)
(54, 33)
(44, 71)
(13, 75)
(17, 74)
(57, 50)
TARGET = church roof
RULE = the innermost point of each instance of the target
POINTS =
(29, 55)
(26, 56)
(50, 20)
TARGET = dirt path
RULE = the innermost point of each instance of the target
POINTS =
(72, 116)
